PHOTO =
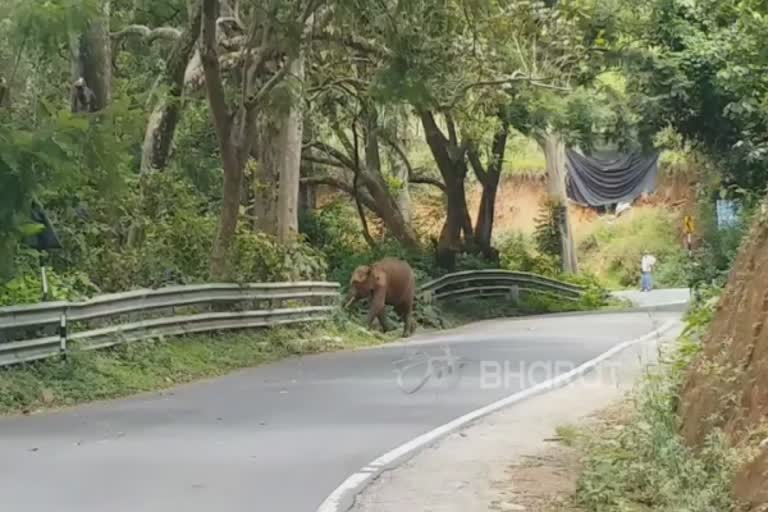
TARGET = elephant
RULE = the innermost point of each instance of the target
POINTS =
(388, 281)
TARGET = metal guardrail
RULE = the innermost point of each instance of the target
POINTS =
(490, 283)
(39, 331)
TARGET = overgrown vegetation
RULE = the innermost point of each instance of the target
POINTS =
(613, 249)
(639, 461)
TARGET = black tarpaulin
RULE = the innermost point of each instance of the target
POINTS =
(608, 178)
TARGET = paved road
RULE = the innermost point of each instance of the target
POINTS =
(656, 298)
(281, 437)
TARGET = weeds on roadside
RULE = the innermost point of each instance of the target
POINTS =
(643, 465)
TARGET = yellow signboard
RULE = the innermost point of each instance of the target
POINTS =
(689, 224)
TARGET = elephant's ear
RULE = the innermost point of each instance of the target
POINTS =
(361, 273)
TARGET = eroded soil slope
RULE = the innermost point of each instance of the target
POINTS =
(727, 386)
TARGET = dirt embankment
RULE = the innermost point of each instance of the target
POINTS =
(518, 204)
(727, 387)
(519, 200)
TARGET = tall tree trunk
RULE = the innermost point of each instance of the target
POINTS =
(307, 191)
(450, 242)
(290, 168)
(554, 153)
(235, 130)
(451, 161)
(230, 209)
(234, 133)
(266, 176)
(489, 180)
(484, 221)
(94, 57)
(161, 127)
(400, 169)
(307, 197)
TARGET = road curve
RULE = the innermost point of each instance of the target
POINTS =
(281, 437)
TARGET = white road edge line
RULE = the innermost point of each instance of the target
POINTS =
(359, 480)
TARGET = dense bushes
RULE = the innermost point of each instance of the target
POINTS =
(161, 234)
(335, 230)
(614, 248)
(519, 252)
(642, 463)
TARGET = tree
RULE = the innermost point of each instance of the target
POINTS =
(92, 56)
(290, 164)
(350, 136)
(692, 66)
(267, 43)
(180, 70)
(557, 48)
(450, 156)
(488, 176)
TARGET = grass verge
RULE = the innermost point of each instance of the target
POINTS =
(153, 365)
(636, 461)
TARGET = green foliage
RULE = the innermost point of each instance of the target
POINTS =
(46, 25)
(613, 250)
(547, 231)
(29, 158)
(27, 288)
(643, 463)
(695, 66)
(337, 231)
(702, 310)
(644, 459)
(518, 252)
(197, 155)
(260, 258)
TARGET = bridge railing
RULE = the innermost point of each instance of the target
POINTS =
(490, 283)
(40, 331)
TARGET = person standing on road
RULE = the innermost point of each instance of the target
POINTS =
(647, 263)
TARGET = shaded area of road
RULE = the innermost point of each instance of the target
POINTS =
(280, 437)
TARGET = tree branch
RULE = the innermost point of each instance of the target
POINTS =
(144, 32)
(452, 138)
(355, 43)
(213, 82)
(253, 100)
(334, 153)
(412, 177)
(323, 161)
(343, 186)
(426, 180)
(477, 165)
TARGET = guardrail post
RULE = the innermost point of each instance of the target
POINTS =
(63, 335)
(513, 295)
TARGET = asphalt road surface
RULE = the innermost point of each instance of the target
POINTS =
(281, 437)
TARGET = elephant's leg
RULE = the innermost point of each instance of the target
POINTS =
(405, 313)
(383, 321)
(377, 309)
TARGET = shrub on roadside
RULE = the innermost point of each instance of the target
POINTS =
(518, 252)
(614, 248)
(641, 463)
